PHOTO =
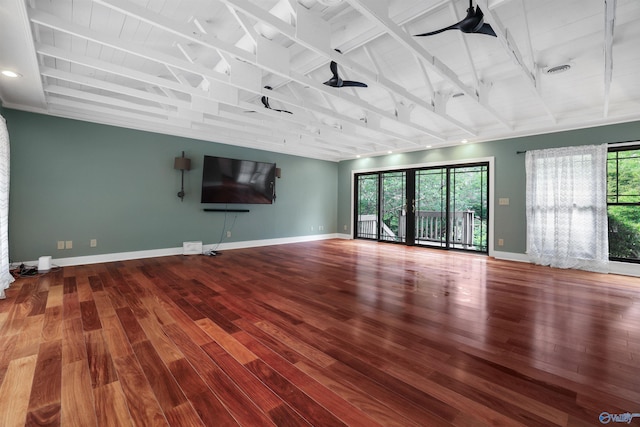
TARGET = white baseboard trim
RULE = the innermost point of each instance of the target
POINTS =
(154, 253)
(268, 242)
(510, 256)
(622, 268)
(615, 267)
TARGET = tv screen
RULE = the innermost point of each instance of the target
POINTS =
(237, 181)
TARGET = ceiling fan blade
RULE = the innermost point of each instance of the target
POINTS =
(486, 29)
(351, 83)
(334, 69)
(431, 33)
(336, 81)
(472, 23)
(265, 102)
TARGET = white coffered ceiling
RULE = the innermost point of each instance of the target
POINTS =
(198, 68)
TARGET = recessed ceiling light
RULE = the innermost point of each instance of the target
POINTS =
(329, 2)
(429, 146)
(558, 69)
(12, 74)
(464, 141)
(358, 156)
(389, 152)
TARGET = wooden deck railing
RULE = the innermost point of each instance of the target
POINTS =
(368, 227)
(430, 227)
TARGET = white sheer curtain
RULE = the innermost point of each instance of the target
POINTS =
(5, 275)
(567, 207)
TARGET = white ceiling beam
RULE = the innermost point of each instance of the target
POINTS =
(377, 12)
(413, 13)
(64, 107)
(268, 63)
(374, 61)
(246, 26)
(609, 26)
(221, 83)
(187, 52)
(51, 21)
(122, 104)
(527, 31)
(511, 48)
(322, 48)
(425, 76)
(198, 104)
(184, 31)
(507, 41)
(157, 115)
(465, 44)
(116, 88)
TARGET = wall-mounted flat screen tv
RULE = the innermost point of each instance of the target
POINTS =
(237, 181)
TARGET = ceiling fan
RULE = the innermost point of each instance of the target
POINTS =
(472, 23)
(336, 81)
(265, 102)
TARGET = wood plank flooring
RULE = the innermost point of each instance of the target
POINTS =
(328, 333)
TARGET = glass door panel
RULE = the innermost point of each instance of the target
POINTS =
(367, 201)
(468, 207)
(430, 207)
(393, 206)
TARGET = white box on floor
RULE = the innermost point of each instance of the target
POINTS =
(191, 248)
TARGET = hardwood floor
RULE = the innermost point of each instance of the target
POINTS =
(326, 333)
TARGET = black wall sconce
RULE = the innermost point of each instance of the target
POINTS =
(182, 164)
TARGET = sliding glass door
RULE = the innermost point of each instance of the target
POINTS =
(431, 207)
(469, 207)
(381, 206)
(444, 207)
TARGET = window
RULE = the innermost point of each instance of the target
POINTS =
(623, 203)
(566, 207)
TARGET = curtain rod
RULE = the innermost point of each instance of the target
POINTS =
(608, 143)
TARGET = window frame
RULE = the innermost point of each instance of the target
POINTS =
(619, 148)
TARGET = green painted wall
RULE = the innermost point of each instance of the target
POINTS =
(510, 221)
(73, 180)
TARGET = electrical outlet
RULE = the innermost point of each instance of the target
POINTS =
(93, 243)
(321, 227)
(229, 233)
(345, 227)
(68, 244)
(60, 244)
(312, 228)
(503, 201)
(500, 242)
